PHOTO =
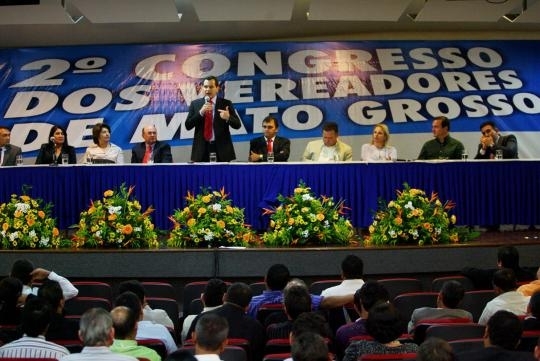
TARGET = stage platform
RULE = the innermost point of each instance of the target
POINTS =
(247, 264)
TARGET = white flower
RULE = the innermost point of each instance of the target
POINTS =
(326, 224)
(44, 241)
(305, 233)
(114, 210)
(23, 207)
(98, 233)
(32, 233)
(209, 236)
(13, 236)
(409, 205)
(307, 197)
(392, 233)
(137, 229)
(216, 207)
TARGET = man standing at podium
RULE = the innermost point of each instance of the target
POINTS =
(211, 117)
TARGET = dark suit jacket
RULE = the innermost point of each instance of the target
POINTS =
(10, 155)
(46, 152)
(281, 147)
(223, 142)
(506, 143)
(161, 154)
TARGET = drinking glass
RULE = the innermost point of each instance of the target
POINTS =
(270, 157)
(213, 157)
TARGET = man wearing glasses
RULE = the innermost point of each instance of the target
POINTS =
(493, 143)
(269, 143)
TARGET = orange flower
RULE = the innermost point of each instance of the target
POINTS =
(5, 227)
(220, 224)
(108, 193)
(398, 221)
(17, 214)
(25, 198)
(127, 229)
(41, 214)
(55, 232)
(320, 217)
(112, 217)
(30, 221)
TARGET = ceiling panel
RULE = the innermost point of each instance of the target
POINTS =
(357, 10)
(244, 10)
(466, 10)
(531, 15)
(47, 12)
(127, 11)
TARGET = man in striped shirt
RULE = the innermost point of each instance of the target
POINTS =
(35, 320)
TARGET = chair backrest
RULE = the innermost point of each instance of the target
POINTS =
(529, 340)
(466, 344)
(475, 302)
(257, 287)
(159, 289)
(277, 356)
(156, 345)
(169, 305)
(437, 283)
(191, 291)
(196, 306)
(423, 325)
(79, 305)
(456, 331)
(94, 289)
(339, 316)
(73, 345)
(408, 302)
(315, 288)
(389, 356)
(234, 353)
(277, 346)
(274, 310)
(398, 286)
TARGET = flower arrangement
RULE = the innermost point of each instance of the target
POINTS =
(116, 221)
(209, 220)
(414, 218)
(303, 219)
(27, 223)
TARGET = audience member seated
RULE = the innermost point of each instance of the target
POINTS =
(210, 336)
(212, 298)
(156, 316)
(60, 328)
(125, 328)
(276, 279)
(97, 333)
(10, 301)
(236, 302)
(435, 349)
(352, 271)
(146, 329)
(507, 298)
(296, 300)
(502, 336)
(507, 257)
(35, 320)
(181, 355)
(529, 289)
(25, 271)
(384, 324)
(309, 346)
(369, 295)
(532, 320)
(448, 300)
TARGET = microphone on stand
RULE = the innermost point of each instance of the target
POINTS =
(54, 151)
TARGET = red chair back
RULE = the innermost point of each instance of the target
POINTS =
(389, 356)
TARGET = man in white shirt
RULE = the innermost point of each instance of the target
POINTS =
(352, 271)
(35, 320)
(210, 337)
(25, 271)
(504, 284)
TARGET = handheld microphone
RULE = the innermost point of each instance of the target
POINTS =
(206, 99)
(52, 140)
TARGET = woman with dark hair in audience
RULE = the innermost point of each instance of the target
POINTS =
(52, 151)
(103, 151)
(384, 324)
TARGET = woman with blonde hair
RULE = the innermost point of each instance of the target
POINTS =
(379, 150)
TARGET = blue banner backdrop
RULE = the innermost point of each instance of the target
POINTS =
(358, 84)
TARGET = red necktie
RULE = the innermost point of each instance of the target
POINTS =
(269, 145)
(208, 124)
(147, 154)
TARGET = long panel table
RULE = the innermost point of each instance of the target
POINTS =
(486, 192)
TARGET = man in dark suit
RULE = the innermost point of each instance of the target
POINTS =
(8, 152)
(492, 141)
(211, 117)
(260, 146)
(159, 152)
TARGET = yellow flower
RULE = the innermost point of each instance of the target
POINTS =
(5, 226)
(201, 210)
(18, 214)
(220, 224)
(229, 209)
(305, 209)
(320, 217)
(453, 219)
(291, 221)
(191, 222)
(25, 198)
(207, 198)
(108, 193)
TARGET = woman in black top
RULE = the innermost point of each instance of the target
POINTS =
(51, 152)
